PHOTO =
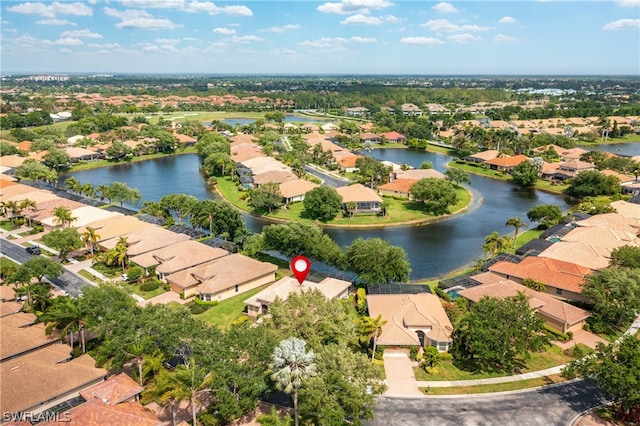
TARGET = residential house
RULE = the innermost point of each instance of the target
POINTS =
(84, 216)
(570, 169)
(437, 109)
(370, 138)
(146, 240)
(115, 390)
(365, 199)
(397, 188)
(348, 163)
(626, 209)
(295, 190)
(411, 320)
(177, 257)
(185, 140)
(96, 412)
(394, 137)
(77, 154)
(556, 314)
(331, 288)
(410, 109)
(274, 176)
(481, 157)
(561, 279)
(115, 226)
(417, 174)
(38, 380)
(505, 164)
(19, 334)
(357, 111)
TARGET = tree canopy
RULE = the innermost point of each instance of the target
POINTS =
(265, 198)
(525, 174)
(437, 195)
(322, 203)
(498, 334)
(591, 183)
(375, 261)
(298, 238)
(64, 240)
(545, 214)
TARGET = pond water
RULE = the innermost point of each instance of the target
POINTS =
(433, 249)
(628, 149)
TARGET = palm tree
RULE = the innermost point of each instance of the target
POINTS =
(62, 215)
(494, 243)
(90, 236)
(27, 204)
(66, 317)
(102, 191)
(291, 365)
(517, 224)
(371, 329)
(137, 352)
(73, 184)
(89, 191)
(185, 383)
(118, 255)
(12, 210)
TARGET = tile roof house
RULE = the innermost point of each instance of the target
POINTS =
(177, 257)
(84, 215)
(562, 279)
(365, 199)
(417, 174)
(19, 335)
(505, 164)
(481, 157)
(222, 278)
(95, 412)
(331, 288)
(584, 254)
(274, 176)
(412, 320)
(394, 137)
(626, 209)
(370, 137)
(556, 314)
(295, 190)
(114, 390)
(146, 240)
(348, 162)
(397, 188)
(115, 226)
(41, 379)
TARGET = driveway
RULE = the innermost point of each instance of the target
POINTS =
(581, 336)
(556, 405)
(328, 179)
(401, 381)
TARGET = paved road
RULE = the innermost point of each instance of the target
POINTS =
(556, 405)
(68, 282)
(328, 179)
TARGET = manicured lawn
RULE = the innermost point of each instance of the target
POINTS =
(551, 357)
(498, 387)
(227, 311)
(399, 210)
(495, 174)
(107, 163)
(135, 288)
(88, 275)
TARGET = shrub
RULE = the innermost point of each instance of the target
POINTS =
(413, 353)
(150, 285)
(197, 308)
(445, 356)
(135, 273)
(361, 300)
(558, 335)
(205, 303)
(442, 294)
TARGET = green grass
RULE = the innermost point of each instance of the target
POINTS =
(135, 288)
(446, 370)
(541, 184)
(88, 275)
(108, 163)
(227, 311)
(6, 225)
(399, 211)
(498, 387)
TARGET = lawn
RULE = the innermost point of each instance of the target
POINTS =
(551, 357)
(227, 311)
(399, 210)
(135, 288)
(88, 165)
(497, 387)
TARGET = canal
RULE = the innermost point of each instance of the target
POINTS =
(433, 249)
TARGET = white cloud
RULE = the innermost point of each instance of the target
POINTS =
(445, 25)
(171, 41)
(54, 21)
(224, 31)
(348, 7)
(105, 46)
(335, 43)
(392, 19)
(155, 4)
(444, 7)
(284, 51)
(283, 28)
(10, 30)
(65, 50)
(362, 19)
(622, 24)
(53, 9)
(245, 39)
(196, 6)
(80, 34)
(421, 41)
(507, 20)
(501, 38)
(464, 38)
(628, 3)
(358, 39)
(69, 41)
(237, 11)
(190, 39)
(139, 19)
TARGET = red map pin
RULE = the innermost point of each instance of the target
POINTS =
(300, 266)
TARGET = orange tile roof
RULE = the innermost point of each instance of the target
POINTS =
(114, 390)
(399, 185)
(96, 413)
(556, 273)
(507, 161)
(357, 193)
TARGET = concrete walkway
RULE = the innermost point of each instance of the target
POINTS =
(401, 382)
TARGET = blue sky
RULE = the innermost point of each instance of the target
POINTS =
(330, 37)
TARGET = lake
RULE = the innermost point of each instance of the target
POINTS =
(289, 118)
(434, 249)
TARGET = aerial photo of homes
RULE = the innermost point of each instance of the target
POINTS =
(343, 212)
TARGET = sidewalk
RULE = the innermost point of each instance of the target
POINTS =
(493, 380)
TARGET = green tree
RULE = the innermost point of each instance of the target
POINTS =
(372, 171)
(534, 285)
(64, 240)
(517, 224)
(219, 218)
(457, 176)
(56, 159)
(118, 151)
(118, 254)
(626, 256)
(616, 370)
(426, 165)
(40, 267)
(90, 238)
(525, 174)
(322, 203)
(370, 329)
(67, 317)
(180, 205)
(590, 183)
(375, 261)
(73, 184)
(437, 195)
(498, 334)
(291, 366)
(265, 198)
(62, 215)
(494, 244)
(615, 294)
(121, 193)
(545, 214)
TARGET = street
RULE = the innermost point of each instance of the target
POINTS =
(68, 282)
(554, 405)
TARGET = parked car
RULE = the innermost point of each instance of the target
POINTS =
(34, 250)
(124, 277)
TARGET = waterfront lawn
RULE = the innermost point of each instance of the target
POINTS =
(227, 311)
(88, 165)
(552, 356)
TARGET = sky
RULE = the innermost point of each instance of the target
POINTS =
(327, 37)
